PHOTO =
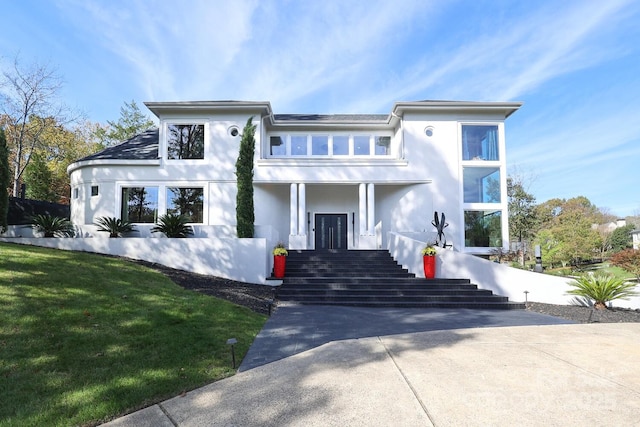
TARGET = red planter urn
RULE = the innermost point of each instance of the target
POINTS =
(429, 262)
(279, 264)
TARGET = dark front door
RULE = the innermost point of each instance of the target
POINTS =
(331, 231)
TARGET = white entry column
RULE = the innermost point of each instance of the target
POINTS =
(362, 209)
(293, 210)
(297, 209)
(371, 208)
(367, 235)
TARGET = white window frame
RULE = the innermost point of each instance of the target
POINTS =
(164, 138)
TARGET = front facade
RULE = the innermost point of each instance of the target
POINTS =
(320, 181)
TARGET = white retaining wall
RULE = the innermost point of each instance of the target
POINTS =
(499, 278)
(245, 260)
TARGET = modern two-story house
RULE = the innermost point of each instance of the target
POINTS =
(320, 181)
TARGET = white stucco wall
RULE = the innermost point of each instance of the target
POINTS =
(245, 260)
(499, 278)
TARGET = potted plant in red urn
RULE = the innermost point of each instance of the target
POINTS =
(279, 260)
(429, 261)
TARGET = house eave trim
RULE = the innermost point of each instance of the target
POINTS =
(506, 108)
(112, 162)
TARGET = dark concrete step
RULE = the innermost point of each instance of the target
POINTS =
(378, 281)
(421, 304)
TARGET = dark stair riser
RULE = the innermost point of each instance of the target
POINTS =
(375, 279)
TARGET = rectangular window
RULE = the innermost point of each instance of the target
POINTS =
(383, 145)
(76, 193)
(298, 145)
(94, 190)
(140, 204)
(319, 145)
(185, 141)
(481, 185)
(340, 145)
(483, 229)
(480, 142)
(361, 146)
(277, 146)
(188, 202)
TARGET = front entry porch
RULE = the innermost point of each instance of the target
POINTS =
(332, 216)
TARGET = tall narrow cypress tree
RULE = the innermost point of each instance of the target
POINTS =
(245, 214)
(4, 181)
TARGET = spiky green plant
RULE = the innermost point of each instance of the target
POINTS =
(602, 289)
(116, 227)
(52, 226)
(172, 225)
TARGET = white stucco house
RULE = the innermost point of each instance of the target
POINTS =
(321, 181)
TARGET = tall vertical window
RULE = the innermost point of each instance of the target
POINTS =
(187, 202)
(185, 141)
(139, 204)
(480, 142)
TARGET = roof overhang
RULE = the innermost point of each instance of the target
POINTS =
(503, 108)
(179, 107)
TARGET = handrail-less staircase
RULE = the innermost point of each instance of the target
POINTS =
(372, 278)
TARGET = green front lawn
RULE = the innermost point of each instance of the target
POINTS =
(85, 338)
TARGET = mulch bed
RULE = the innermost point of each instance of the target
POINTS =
(255, 297)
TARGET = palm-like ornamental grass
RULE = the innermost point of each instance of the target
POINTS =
(173, 225)
(116, 227)
(52, 226)
(602, 289)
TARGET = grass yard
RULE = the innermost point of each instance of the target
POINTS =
(85, 338)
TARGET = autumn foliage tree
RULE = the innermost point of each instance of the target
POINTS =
(628, 260)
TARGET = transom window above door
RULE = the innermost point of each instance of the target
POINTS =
(328, 145)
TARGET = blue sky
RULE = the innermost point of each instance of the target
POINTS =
(574, 64)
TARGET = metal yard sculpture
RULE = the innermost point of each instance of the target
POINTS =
(440, 225)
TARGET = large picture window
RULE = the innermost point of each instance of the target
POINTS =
(481, 185)
(185, 141)
(139, 204)
(480, 142)
(483, 229)
(187, 202)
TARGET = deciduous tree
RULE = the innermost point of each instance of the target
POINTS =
(522, 212)
(30, 106)
(570, 222)
(629, 260)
